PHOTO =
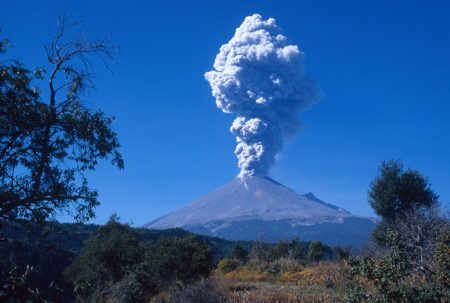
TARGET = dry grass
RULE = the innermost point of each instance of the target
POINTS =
(271, 292)
(246, 274)
(326, 274)
(292, 284)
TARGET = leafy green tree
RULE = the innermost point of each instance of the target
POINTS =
(184, 260)
(396, 191)
(296, 249)
(239, 253)
(279, 250)
(49, 138)
(111, 262)
(316, 251)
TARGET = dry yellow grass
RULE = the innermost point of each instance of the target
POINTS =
(312, 284)
(277, 292)
(325, 274)
(246, 274)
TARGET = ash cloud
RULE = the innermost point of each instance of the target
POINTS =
(259, 77)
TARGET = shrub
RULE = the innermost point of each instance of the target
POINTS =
(324, 275)
(393, 279)
(239, 253)
(185, 259)
(316, 251)
(110, 260)
(443, 260)
(282, 265)
(227, 265)
(342, 253)
(17, 287)
(118, 266)
(203, 291)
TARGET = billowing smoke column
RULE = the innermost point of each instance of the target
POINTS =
(260, 77)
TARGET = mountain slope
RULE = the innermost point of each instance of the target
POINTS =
(262, 207)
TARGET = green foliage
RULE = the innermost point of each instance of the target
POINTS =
(118, 263)
(259, 253)
(47, 146)
(342, 253)
(316, 251)
(228, 265)
(17, 287)
(297, 249)
(239, 253)
(396, 191)
(294, 249)
(34, 263)
(51, 247)
(111, 261)
(279, 250)
(443, 260)
(391, 278)
(185, 259)
(413, 263)
(262, 252)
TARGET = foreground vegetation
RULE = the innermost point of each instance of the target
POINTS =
(118, 263)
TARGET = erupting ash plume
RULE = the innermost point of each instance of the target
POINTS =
(260, 77)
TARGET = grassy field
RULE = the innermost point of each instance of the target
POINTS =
(280, 292)
(321, 282)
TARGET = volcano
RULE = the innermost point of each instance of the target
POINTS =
(260, 207)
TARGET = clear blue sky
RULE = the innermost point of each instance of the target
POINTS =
(384, 68)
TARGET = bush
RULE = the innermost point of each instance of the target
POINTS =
(227, 265)
(443, 260)
(393, 278)
(185, 259)
(203, 291)
(17, 287)
(111, 259)
(239, 253)
(43, 265)
(282, 265)
(316, 251)
(118, 266)
(323, 275)
(342, 253)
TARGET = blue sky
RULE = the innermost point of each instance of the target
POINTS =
(384, 69)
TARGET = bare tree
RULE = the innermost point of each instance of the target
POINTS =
(419, 234)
